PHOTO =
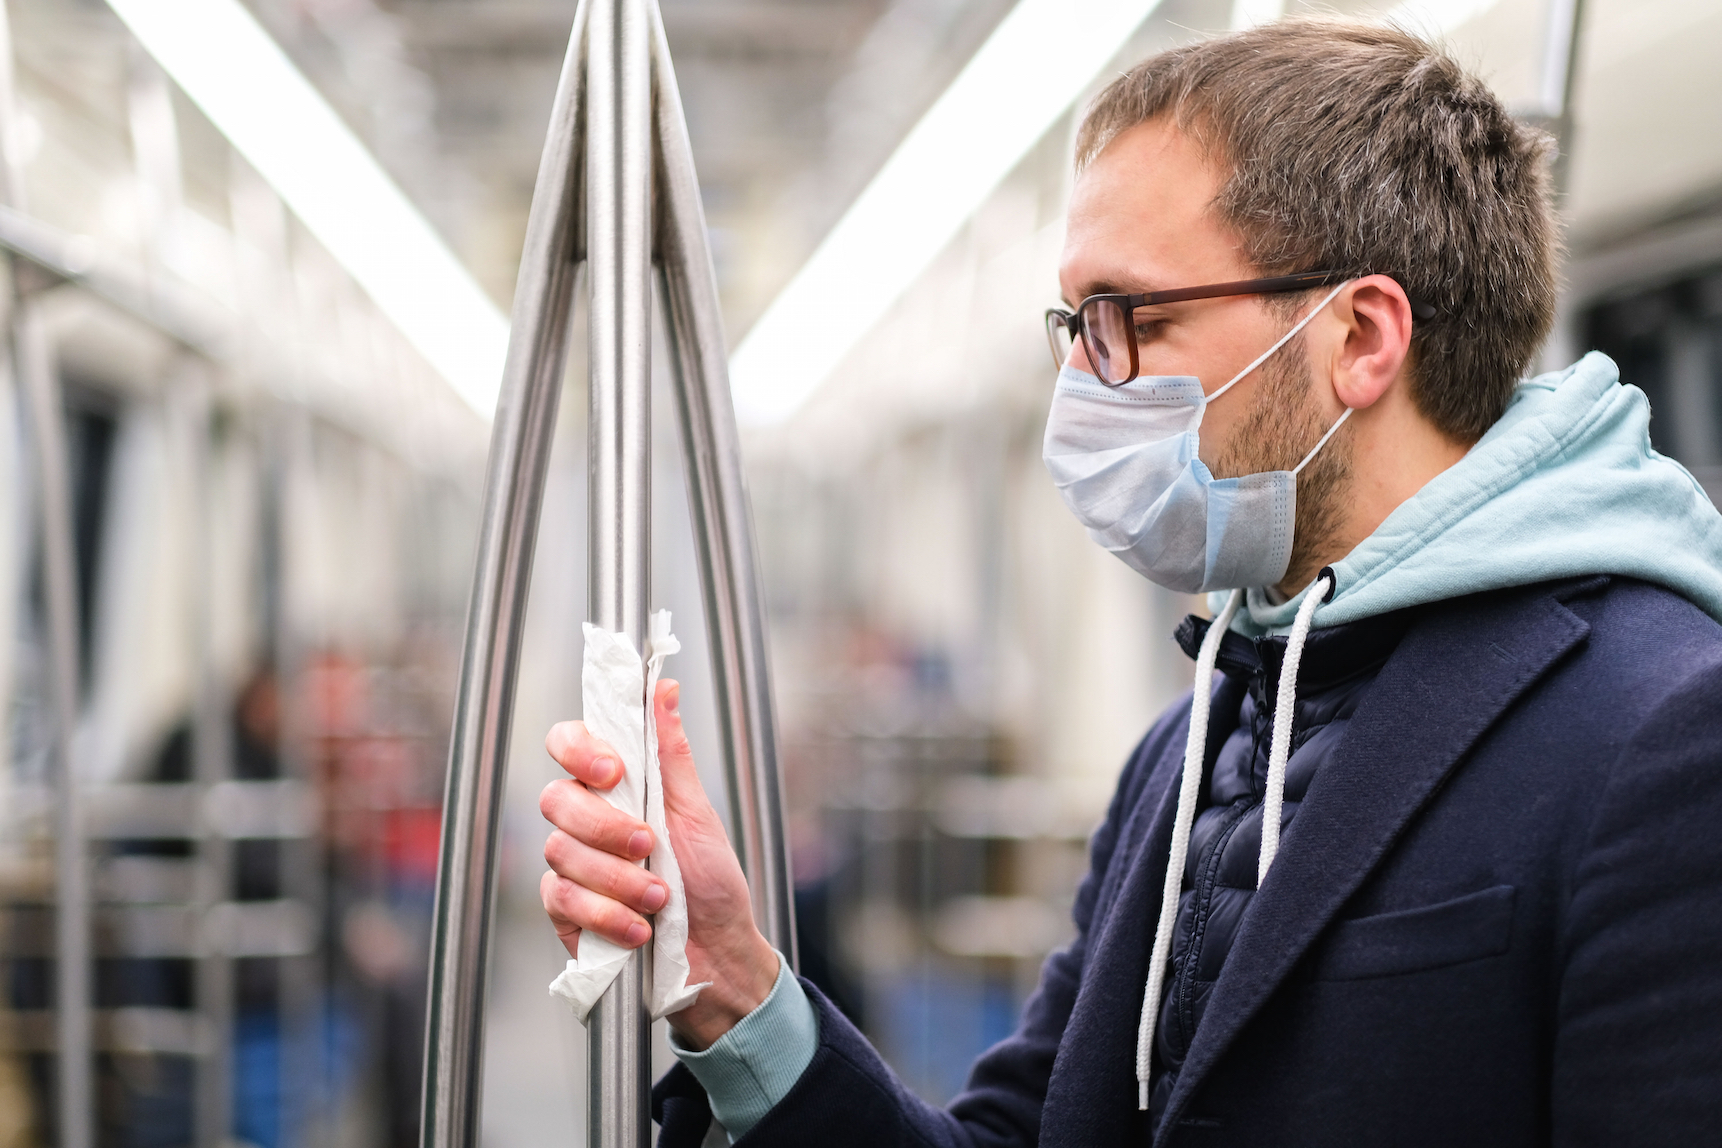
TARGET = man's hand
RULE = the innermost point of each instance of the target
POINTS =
(596, 882)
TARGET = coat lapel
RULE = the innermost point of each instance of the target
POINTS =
(1454, 673)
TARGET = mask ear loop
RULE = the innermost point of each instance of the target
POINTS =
(1322, 441)
(1284, 339)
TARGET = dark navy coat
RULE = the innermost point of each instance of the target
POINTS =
(1497, 920)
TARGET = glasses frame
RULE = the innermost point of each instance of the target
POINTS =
(1072, 323)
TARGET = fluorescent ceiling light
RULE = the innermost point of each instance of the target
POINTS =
(1249, 13)
(228, 65)
(1035, 64)
(1033, 67)
(1430, 18)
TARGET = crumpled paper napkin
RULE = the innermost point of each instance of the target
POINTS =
(617, 690)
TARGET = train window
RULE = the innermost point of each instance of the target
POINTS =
(1668, 341)
(92, 426)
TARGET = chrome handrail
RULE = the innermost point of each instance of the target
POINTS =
(30, 360)
(723, 524)
(484, 700)
(618, 205)
(616, 134)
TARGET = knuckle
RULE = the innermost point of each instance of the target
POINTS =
(617, 882)
(556, 849)
(582, 908)
(558, 897)
(597, 826)
(615, 920)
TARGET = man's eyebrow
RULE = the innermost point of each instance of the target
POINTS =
(1115, 287)
(1104, 287)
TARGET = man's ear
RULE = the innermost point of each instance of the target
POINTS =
(1376, 340)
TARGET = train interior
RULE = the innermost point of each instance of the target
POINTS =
(274, 497)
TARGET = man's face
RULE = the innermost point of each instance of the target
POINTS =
(1140, 220)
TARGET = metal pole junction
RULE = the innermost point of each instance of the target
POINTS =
(617, 193)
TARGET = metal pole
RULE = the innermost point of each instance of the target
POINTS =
(1559, 79)
(723, 526)
(301, 1072)
(190, 406)
(33, 366)
(619, 266)
(44, 413)
(484, 705)
(598, 172)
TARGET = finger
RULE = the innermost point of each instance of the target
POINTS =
(566, 931)
(682, 788)
(585, 816)
(605, 873)
(584, 755)
(576, 906)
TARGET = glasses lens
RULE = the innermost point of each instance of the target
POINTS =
(1058, 336)
(1106, 337)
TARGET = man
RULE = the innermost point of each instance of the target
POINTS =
(1468, 664)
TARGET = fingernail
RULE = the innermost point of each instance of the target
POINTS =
(673, 699)
(637, 934)
(640, 843)
(604, 770)
(654, 898)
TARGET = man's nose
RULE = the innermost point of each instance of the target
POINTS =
(1077, 357)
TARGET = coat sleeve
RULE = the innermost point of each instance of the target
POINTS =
(848, 1096)
(1638, 1041)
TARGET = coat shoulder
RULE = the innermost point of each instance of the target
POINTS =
(1645, 644)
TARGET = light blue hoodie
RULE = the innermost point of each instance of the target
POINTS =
(1565, 484)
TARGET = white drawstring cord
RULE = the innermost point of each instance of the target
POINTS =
(1190, 784)
(1285, 705)
(1195, 750)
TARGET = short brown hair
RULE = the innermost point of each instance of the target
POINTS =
(1360, 148)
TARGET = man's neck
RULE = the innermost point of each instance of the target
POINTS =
(1395, 452)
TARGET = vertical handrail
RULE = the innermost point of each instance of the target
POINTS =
(1561, 40)
(608, 149)
(190, 404)
(723, 526)
(514, 489)
(45, 416)
(33, 368)
(302, 1073)
(619, 508)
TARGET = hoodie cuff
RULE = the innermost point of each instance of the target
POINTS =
(748, 1069)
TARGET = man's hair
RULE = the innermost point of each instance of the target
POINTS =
(1363, 149)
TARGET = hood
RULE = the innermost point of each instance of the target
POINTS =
(1565, 484)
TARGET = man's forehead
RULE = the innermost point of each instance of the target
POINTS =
(1154, 152)
(1140, 218)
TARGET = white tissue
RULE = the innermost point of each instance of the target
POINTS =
(616, 688)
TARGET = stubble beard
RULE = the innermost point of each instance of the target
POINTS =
(1282, 425)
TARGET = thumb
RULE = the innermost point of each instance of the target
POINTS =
(682, 788)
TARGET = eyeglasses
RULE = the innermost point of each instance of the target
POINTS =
(1106, 324)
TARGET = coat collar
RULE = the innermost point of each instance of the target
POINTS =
(1456, 671)
(1332, 654)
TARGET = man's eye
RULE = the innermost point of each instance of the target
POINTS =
(1148, 329)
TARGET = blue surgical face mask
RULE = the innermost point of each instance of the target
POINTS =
(1125, 460)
